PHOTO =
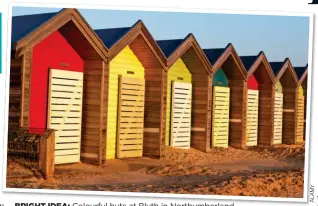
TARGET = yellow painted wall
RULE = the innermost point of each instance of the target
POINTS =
(123, 62)
(278, 87)
(178, 69)
(300, 91)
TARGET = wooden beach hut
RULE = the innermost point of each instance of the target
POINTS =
(135, 90)
(188, 80)
(260, 100)
(302, 74)
(56, 79)
(229, 97)
(285, 118)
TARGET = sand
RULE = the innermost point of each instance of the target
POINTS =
(276, 171)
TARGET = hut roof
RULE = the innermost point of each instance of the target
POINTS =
(277, 66)
(25, 24)
(249, 61)
(169, 46)
(112, 35)
(214, 54)
(300, 71)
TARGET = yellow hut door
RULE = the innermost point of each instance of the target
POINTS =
(252, 117)
(65, 114)
(181, 101)
(278, 118)
(130, 118)
(300, 115)
(221, 115)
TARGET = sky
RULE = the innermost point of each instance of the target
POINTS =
(278, 36)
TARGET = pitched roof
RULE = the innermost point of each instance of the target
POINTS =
(111, 36)
(248, 61)
(169, 46)
(277, 66)
(300, 71)
(214, 54)
(25, 24)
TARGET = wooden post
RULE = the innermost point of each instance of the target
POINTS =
(46, 156)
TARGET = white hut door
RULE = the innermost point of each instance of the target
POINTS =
(278, 118)
(65, 96)
(181, 100)
(252, 117)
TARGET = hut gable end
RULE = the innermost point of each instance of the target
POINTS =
(116, 39)
(37, 27)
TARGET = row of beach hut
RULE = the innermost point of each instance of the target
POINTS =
(118, 93)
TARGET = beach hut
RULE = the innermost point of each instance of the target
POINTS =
(188, 94)
(302, 74)
(56, 82)
(260, 100)
(229, 97)
(135, 94)
(285, 118)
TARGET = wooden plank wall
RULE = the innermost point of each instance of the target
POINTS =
(201, 102)
(155, 98)
(238, 100)
(304, 85)
(290, 92)
(266, 114)
(289, 115)
(26, 87)
(238, 103)
(93, 112)
(15, 92)
(104, 111)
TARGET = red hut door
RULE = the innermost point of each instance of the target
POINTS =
(65, 114)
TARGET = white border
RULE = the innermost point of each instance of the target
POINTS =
(183, 196)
